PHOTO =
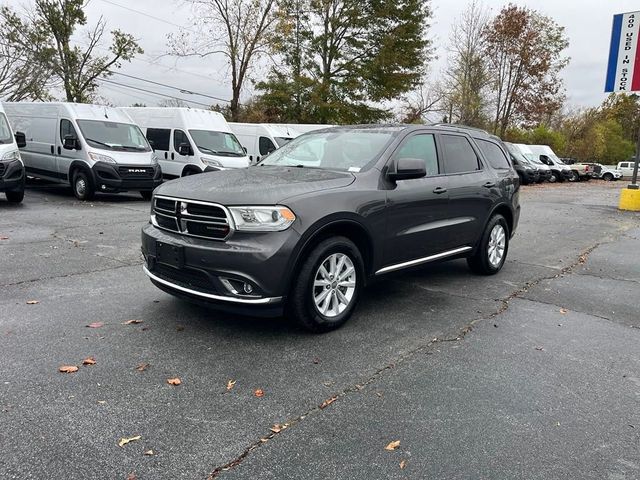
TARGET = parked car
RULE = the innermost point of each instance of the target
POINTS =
(306, 229)
(12, 174)
(91, 147)
(626, 168)
(526, 170)
(604, 172)
(559, 171)
(581, 171)
(189, 140)
(260, 139)
(544, 171)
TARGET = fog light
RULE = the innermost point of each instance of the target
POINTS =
(247, 288)
(103, 187)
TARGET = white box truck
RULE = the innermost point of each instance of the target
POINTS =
(260, 139)
(189, 140)
(91, 147)
(12, 174)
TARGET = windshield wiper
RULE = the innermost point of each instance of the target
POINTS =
(99, 143)
(214, 152)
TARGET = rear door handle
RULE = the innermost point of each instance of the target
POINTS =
(489, 185)
(52, 150)
(173, 157)
(59, 151)
(439, 190)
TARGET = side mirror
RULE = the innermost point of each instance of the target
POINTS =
(185, 149)
(21, 139)
(408, 168)
(71, 143)
(245, 149)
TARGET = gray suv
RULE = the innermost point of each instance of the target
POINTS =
(305, 230)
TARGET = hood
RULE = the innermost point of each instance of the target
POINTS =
(258, 185)
(126, 157)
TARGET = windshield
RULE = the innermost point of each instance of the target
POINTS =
(282, 141)
(347, 150)
(113, 136)
(5, 131)
(217, 143)
(517, 154)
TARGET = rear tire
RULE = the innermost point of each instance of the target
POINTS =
(492, 249)
(576, 176)
(146, 194)
(82, 186)
(328, 285)
(607, 177)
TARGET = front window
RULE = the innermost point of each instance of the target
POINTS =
(347, 150)
(113, 136)
(5, 131)
(217, 143)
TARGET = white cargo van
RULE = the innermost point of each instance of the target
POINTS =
(189, 140)
(559, 169)
(12, 175)
(543, 168)
(260, 139)
(91, 147)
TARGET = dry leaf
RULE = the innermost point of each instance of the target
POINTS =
(102, 402)
(540, 349)
(95, 325)
(132, 476)
(123, 441)
(179, 328)
(89, 361)
(33, 302)
(403, 464)
(230, 384)
(148, 453)
(142, 367)
(563, 310)
(258, 393)
(68, 369)
(328, 402)
(392, 446)
(2, 237)
(132, 322)
(277, 428)
(174, 381)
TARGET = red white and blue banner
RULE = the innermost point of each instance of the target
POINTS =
(623, 73)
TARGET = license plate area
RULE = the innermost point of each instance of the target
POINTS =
(172, 255)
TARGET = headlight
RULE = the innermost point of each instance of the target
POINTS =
(10, 156)
(211, 162)
(262, 219)
(98, 157)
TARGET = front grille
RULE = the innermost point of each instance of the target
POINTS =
(2, 168)
(196, 219)
(135, 172)
(185, 277)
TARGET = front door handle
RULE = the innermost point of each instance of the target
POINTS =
(52, 150)
(173, 157)
(59, 151)
(439, 190)
(165, 155)
(489, 185)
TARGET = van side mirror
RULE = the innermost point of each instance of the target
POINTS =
(21, 139)
(185, 149)
(544, 159)
(245, 149)
(408, 168)
(71, 143)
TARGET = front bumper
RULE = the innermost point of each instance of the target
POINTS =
(204, 270)
(12, 176)
(121, 178)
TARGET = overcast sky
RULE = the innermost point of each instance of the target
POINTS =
(587, 23)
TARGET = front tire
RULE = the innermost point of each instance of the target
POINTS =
(491, 252)
(15, 197)
(82, 186)
(607, 177)
(328, 285)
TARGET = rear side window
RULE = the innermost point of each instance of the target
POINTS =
(422, 147)
(179, 137)
(159, 137)
(624, 165)
(266, 146)
(459, 154)
(494, 154)
(66, 128)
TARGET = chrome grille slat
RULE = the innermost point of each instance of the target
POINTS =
(217, 226)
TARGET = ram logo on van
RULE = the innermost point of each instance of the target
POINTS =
(137, 170)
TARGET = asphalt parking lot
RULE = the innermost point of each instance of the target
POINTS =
(533, 373)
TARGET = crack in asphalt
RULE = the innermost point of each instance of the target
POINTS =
(74, 274)
(462, 332)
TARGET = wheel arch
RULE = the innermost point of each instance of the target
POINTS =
(80, 165)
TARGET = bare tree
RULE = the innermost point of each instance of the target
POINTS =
(420, 103)
(240, 30)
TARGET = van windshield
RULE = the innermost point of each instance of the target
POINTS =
(348, 150)
(282, 141)
(217, 143)
(517, 154)
(5, 131)
(113, 136)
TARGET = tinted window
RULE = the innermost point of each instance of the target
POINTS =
(5, 131)
(179, 137)
(113, 135)
(422, 147)
(66, 128)
(159, 137)
(266, 146)
(459, 154)
(217, 143)
(494, 154)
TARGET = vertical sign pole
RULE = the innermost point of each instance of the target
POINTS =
(634, 179)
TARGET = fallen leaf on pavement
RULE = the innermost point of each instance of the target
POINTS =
(316, 361)
(230, 384)
(102, 402)
(3, 237)
(68, 369)
(328, 402)
(89, 361)
(393, 445)
(95, 325)
(563, 310)
(277, 428)
(132, 322)
(174, 381)
(123, 441)
(142, 367)
(540, 349)
(33, 302)
(148, 453)
(403, 464)
(258, 393)
(132, 476)
(179, 328)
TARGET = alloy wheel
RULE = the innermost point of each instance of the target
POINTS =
(334, 284)
(497, 243)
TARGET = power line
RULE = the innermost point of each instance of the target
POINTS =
(159, 19)
(154, 93)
